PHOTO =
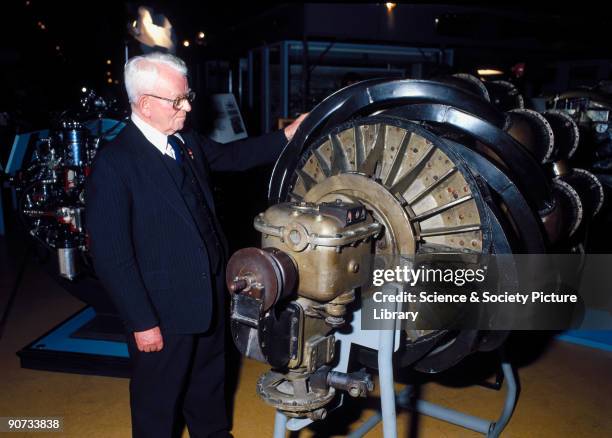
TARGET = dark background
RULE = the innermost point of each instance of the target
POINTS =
(43, 70)
(50, 50)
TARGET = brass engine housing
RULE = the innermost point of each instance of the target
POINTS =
(329, 242)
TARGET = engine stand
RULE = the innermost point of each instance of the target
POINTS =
(405, 399)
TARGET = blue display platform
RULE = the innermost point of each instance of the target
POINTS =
(589, 335)
(60, 350)
(600, 339)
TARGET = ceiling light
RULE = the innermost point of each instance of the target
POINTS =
(489, 72)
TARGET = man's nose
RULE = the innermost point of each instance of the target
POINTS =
(184, 106)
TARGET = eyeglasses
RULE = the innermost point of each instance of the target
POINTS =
(178, 102)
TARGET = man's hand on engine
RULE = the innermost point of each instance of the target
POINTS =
(290, 129)
(149, 340)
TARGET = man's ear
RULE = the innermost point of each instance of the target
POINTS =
(144, 106)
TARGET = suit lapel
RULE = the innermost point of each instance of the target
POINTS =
(155, 171)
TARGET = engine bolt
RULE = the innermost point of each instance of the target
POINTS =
(238, 284)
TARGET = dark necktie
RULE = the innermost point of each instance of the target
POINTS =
(176, 145)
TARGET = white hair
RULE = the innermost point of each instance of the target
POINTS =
(141, 72)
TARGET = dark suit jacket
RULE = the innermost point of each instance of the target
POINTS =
(146, 247)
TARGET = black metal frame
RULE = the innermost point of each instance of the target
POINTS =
(417, 100)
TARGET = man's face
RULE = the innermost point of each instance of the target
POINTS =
(160, 113)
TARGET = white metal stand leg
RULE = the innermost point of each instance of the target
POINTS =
(387, 392)
(490, 429)
(280, 424)
(510, 403)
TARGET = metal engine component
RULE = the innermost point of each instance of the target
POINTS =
(533, 131)
(571, 204)
(381, 170)
(566, 134)
(315, 255)
(586, 193)
(468, 82)
(579, 190)
(51, 198)
(327, 242)
(504, 95)
(253, 268)
(74, 137)
(67, 261)
(375, 178)
(424, 197)
(50, 189)
(591, 110)
(357, 384)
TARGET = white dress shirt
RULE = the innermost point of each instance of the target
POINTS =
(155, 137)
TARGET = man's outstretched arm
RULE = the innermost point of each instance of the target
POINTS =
(251, 152)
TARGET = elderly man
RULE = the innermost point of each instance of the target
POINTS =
(160, 252)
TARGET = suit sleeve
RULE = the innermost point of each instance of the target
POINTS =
(243, 154)
(109, 226)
